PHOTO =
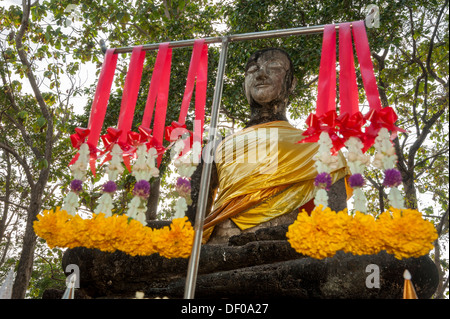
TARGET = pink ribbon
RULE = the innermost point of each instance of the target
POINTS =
(378, 116)
(197, 74)
(98, 111)
(129, 98)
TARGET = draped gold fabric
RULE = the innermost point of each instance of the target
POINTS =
(264, 173)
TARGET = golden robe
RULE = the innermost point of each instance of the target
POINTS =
(264, 173)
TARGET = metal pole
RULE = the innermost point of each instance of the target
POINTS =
(192, 271)
(235, 37)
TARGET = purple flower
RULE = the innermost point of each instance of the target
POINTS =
(76, 185)
(109, 187)
(392, 178)
(356, 180)
(183, 187)
(142, 189)
(323, 180)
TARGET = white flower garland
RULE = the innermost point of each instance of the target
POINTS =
(114, 168)
(325, 162)
(357, 162)
(79, 170)
(385, 158)
(143, 169)
(186, 165)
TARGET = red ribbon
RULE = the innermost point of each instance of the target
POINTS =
(350, 121)
(130, 93)
(158, 92)
(327, 73)
(378, 116)
(365, 65)
(325, 118)
(197, 74)
(348, 88)
(98, 110)
(327, 122)
(111, 138)
(386, 117)
(79, 137)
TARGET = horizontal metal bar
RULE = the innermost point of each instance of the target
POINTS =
(235, 37)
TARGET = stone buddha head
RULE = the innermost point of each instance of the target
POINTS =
(269, 81)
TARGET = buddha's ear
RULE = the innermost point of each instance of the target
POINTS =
(293, 85)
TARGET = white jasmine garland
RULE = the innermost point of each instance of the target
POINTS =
(136, 210)
(357, 162)
(105, 205)
(321, 198)
(79, 171)
(71, 204)
(180, 207)
(114, 168)
(145, 167)
(325, 162)
(386, 158)
(186, 164)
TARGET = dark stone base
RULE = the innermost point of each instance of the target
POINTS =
(257, 269)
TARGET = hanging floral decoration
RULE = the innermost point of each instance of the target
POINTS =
(115, 233)
(141, 154)
(320, 234)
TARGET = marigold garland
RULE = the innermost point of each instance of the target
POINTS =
(320, 234)
(401, 232)
(116, 232)
(405, 233)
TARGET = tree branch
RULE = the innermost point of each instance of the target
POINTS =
(21, 161)
(32, 80)
(421, 138)
(434, 157)
(430, 50)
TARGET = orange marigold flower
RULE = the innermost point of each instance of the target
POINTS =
(320, 234)
(405, 233)
(363, 235)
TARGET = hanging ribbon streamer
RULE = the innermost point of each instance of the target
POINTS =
(119, 135)
(98, 110)
(325, 118)
(158, 92)
(350, 118)
(197, 74)
(164, 64)
(378, 116)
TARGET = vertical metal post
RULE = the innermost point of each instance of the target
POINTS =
(191, 276)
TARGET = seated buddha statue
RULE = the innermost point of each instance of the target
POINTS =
(261, 176)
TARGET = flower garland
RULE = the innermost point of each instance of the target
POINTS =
(357, 162)
(403, 233)
(116, 232)
(79, 168)
(385, 159)
(113, 170)
(143, 170)
(325, 163)
(186, 164)
(127, 232)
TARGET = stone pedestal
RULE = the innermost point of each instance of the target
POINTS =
(252, 269)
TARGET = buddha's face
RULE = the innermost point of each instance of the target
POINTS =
(265, 77)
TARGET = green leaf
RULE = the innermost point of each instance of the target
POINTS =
(41, 122)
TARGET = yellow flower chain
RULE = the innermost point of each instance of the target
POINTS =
(117, 232)
(401, 232)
